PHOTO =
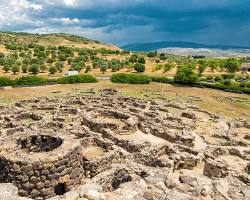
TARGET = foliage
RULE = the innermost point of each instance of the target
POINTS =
(104, 68)
(31, 81)
(201, 69)
(130, 78)
(152, 54)
(228, 76)
(15, 68)
(25, 68)
(88, 69)
(77, 79)
(186, 75)
(43, 67)
(158, 67)
(4, 81)
(138, 67)
(2, 55)
(141, 60)
(232, 65)
(52, 69)
(168, 66)
(133, 58)
(162, 80)
(34, 69)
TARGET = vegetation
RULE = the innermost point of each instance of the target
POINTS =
(31, 81)
(130, 78)
(27, 54)
(186, 75)
(77, 79)
(138, 67)
(4, 81)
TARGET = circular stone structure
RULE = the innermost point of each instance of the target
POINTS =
(40, 143)
(41, 165)
(50, 145)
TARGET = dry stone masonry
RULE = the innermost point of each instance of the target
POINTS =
(102, 145)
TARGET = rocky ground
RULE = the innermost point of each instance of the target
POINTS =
(130, 148)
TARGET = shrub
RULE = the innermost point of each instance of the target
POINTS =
(34, 69)
(227, 82)
(227, 76)
(133, 58)
(6, 68)
(141, 60)
(162, 80)
(43, 67)
(31, 80)
(218, 79)
(25, 68)
(158, 67)
(138, 67)
(52, 70)
(232, 65)
(77, 79)
(4, 81)
(103, 68)
(230, 88)
(167, 67)
(15, 69)
(209, 78)
(186, 75)
(152, 54)
(88, 69)
(130, 78)
(2, 55)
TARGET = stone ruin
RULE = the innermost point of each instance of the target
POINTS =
(127, 148)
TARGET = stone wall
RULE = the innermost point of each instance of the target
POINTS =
(44, 180)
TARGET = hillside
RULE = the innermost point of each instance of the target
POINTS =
(153, 46)
(57, 39)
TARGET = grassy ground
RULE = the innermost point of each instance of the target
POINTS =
(223, 103)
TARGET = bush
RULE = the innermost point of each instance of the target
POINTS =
(232, 65)
(218, 79)
(52, 70)
(25, 68)
(226, 82)
(138, 67)
(167, 67)
(31, 80)
(162, 80)
(15, 69)
(4, 81)
(77, 79)
(228, 76)
(230, 88)
(185, 75)
(34, 69)
(130, 78)
(141, 60)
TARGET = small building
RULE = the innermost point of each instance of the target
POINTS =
(71, 73)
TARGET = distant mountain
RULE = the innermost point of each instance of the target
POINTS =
(153, 46)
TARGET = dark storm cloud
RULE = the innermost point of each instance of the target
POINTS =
(123, 21)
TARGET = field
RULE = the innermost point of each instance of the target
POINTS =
(223, 103)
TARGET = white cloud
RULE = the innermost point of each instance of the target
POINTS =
(70, 2)
(16, 12)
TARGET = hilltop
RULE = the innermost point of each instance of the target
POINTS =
(55, 39)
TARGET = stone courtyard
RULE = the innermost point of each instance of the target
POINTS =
(102, 145)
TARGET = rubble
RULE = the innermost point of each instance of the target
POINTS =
(102, 145)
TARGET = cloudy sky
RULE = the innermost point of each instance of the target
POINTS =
(129, 21)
